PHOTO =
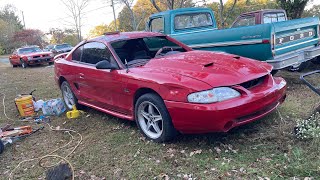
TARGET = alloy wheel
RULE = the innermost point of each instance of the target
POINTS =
(150, 120)
(67, 95)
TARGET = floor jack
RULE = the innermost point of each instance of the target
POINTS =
(10, 135)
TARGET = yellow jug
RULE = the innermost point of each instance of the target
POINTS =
(74, 113)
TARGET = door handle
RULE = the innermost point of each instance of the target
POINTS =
(81, 75)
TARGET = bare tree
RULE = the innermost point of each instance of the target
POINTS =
(170, 4)
(222, 12)
(76, 11)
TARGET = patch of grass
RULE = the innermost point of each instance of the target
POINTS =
(114, 148)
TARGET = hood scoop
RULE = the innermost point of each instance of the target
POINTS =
(209, 64)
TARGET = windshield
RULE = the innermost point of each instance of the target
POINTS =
(62, 46)
(29, 50)
(135, 51)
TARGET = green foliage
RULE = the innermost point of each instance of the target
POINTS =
(59, 36)
(309, 128)
(9, 25)
(101, 29)
(294, 8)
(313, 11)
(1, 50)
(240, 7)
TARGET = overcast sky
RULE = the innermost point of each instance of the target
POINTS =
(45, 14)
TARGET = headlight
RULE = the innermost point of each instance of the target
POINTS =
(213, 95)
(29, 58)
(51, 55)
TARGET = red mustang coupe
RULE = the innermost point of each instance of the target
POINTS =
(165, 86)
(30, 56)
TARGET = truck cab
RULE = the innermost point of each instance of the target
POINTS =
(263, 16)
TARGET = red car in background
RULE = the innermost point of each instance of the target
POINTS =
(30, 56)
(165, 86)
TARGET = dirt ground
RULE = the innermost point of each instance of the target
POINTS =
(113, 148)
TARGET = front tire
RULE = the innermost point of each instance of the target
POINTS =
(23, 64)
(68, 96)
(153, 118)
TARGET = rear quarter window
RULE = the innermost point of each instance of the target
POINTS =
(193, 20)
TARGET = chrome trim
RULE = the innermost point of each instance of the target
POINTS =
(230, 43)
(193, 32)
(295, 57)
(297, 44)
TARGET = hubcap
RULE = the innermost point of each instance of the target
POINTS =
(67, 96)
(150, 120)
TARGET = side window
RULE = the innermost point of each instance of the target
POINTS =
(193, 20)
(281, 17)
(76, 55)
(157, 25)
(94, 52)
(245, 21)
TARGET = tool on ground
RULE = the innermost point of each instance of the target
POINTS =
(74, 113)
(11, 135)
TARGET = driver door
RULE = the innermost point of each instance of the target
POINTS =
(99, 87)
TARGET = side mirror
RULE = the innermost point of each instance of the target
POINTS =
(104, 64)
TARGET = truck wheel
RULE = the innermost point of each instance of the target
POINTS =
(153, 118)
(23, 64)
(299, 67)
(1, 147)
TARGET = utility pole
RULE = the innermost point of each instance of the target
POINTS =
(24, 23)
(114, 16)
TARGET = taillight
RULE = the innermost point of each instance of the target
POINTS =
(273, 43)
(318, 33)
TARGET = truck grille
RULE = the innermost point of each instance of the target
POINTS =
(253, 83)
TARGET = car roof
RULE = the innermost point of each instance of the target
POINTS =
(185, 10)
(116, 36)
(264, 10)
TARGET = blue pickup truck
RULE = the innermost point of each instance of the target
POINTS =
(282, 44)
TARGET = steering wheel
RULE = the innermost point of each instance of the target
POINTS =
(162, 49)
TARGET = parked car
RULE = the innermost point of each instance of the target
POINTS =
(282, 44)
(31, 55)
(48, 48)
(165, 86)
(61, 48)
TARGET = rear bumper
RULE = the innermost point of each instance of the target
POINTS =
(295, 57)
(223, 116)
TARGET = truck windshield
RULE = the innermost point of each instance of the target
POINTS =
(193, 20)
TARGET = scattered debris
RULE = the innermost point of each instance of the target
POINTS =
(61, 171)
(74, 113)
(53, 107)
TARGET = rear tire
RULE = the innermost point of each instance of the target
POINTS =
(68, 96)
(300, 67)
(153, 118)
(51, 63)
(14, 66)
(1, 147)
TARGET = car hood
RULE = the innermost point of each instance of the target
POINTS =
(36, 54)
(64, 49)
(213, 68)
